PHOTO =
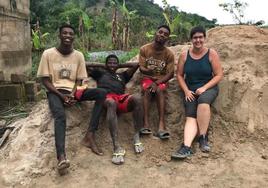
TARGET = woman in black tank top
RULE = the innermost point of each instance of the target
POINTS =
(198, 73)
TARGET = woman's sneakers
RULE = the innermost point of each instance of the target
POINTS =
(185, 151)
(182, 153)
(203, 143)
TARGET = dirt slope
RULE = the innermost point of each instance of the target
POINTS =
(238, 133)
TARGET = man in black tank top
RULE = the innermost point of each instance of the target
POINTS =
(117, 101)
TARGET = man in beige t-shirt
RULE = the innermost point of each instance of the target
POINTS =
(157, 66)
(62, 70)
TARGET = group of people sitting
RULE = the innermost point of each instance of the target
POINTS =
(62, 70)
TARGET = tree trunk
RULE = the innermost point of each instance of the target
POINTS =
(125, 35)
(114, 28)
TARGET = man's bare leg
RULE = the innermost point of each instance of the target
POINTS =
(111, 118)
(135, 105)
(89, 141)
(146, 102)
(160, 97)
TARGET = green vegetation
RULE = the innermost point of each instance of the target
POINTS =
(107, 24)
(12, 112)
(123, 57)
(93, 21)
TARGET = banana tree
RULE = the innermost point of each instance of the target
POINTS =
(113, 4)
(87, 24)
(38, 39)
(127, 17)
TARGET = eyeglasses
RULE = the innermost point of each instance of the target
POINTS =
(198, 37)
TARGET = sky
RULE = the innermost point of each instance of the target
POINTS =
(255, 11)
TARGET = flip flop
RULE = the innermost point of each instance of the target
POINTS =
(145, 131)
(63, 164)
(138, 147)
(162, 135)
(118, 157)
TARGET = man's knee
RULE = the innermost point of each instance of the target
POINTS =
(101, 93)
(160, 91)
(110, 104)
(146, 93)
(136, 100)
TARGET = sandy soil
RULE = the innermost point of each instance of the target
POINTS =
(238, 133)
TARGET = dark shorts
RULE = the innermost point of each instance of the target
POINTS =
(208, 97)
(121, 101)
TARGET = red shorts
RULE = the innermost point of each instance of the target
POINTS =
(78, 93)
(121, 101)
(146, 82)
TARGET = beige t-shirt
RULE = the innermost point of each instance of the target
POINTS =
(63, 70)
(162, 61)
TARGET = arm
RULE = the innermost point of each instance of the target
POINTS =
(50, 87)
(189, 95)
(130, 71)
(67, 99)
(217, 72)
(94, 65)
(91, 66)
(94, 69)
(142, 63)
(128, 65)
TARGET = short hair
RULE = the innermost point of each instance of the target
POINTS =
(164, 26)
(197, 29)
(111, 56)
(66, 25)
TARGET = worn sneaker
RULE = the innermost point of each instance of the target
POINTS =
(182, 153)
(203, 143)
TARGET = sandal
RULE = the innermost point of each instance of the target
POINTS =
(145, 131)
(63, 164)
(162, 134)
(118, 157)
(138, 147)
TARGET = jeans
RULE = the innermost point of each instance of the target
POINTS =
(57, 109)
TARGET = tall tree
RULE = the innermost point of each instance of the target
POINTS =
(113, 4)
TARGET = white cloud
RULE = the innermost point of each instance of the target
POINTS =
(255, 11)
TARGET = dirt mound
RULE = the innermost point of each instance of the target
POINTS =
(244, 90)
(238, 133)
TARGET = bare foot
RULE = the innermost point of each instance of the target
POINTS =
(89, 141)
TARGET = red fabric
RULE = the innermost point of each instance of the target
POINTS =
(121, 101)
(78, 93)
(146, 82)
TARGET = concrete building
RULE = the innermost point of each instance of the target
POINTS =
(15, 37)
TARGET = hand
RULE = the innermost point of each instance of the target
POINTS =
(151, 67)
(189, 96)
(200, 90)
(69, 100)
(153, 87)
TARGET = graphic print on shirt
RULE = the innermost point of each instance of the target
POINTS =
(64, 70)
(158, 66)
